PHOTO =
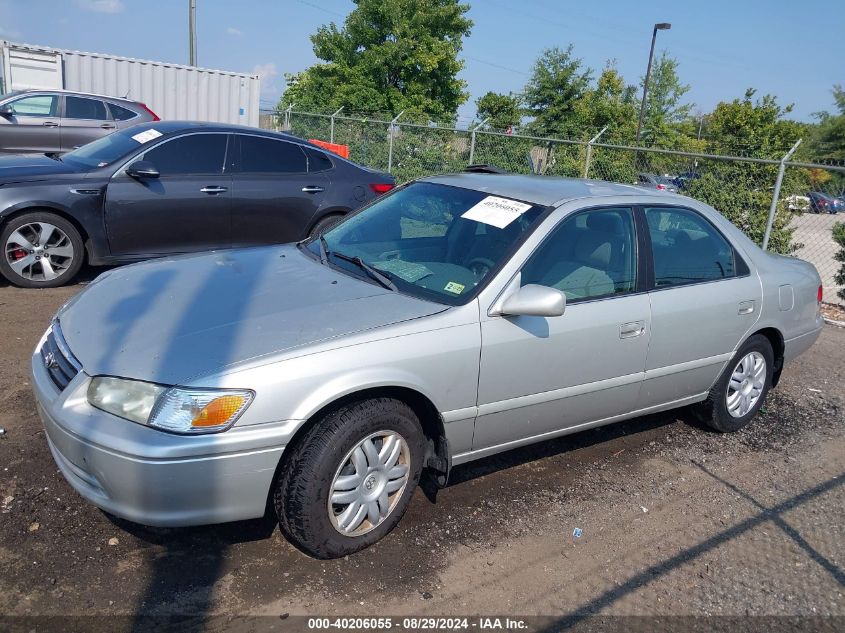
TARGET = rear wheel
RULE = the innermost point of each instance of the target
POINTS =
(349, 480)
(40, 250)
(741, 389)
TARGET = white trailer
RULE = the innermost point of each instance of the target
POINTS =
(172, 91)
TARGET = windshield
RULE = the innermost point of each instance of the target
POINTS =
(433, 241)
(104, 151)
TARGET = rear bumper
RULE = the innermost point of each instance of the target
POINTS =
(151, 477)
(796, 346)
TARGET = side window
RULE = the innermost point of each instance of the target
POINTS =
(38, 105)
(588, 255)
(317, 161)
(687, 248)
(119, 113)
(267, 155)
(192, 154)
(81, 108)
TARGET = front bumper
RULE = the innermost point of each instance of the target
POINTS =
(152, 477)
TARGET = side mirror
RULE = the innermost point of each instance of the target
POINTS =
(6, 110)
(142, 169)
(535, 300)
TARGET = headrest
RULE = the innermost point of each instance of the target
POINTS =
(603, 221)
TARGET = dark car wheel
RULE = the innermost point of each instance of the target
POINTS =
(349, 480)
(325, 224)
(741, 389)
(40, 250)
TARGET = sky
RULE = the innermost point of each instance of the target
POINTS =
(794, 51)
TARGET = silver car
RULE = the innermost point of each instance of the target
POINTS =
(58, 121)
(456, 317)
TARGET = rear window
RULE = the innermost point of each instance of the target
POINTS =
(119, 113)
(317, 161)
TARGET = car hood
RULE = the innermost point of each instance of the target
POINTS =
(31, 167)
(175, 320)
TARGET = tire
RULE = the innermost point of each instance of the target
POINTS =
(715, 411)
(23, 264)
(324, 456)
(325, 224)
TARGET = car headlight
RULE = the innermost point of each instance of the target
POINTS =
(174, 409)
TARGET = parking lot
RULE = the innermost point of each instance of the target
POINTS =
(674, 520)
(816, 245)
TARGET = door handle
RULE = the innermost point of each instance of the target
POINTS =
(214, 189)
(632, 329)
(746, 307)
(50, 124)
(313, 189)
(107, 126)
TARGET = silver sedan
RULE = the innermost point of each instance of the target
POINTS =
(456, 317)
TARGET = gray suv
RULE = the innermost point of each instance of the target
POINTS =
(38, 121)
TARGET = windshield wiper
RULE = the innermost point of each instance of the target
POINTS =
(383, 279)
(324, 251)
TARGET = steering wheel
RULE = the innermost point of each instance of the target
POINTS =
(480, 266)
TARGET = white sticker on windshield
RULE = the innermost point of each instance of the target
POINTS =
(495, 211)
(146, 136)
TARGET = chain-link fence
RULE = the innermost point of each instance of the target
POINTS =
(798, 220)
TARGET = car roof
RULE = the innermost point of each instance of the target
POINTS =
(69, 92)
(544, 190)
(172, 127)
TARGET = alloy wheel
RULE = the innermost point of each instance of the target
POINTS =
(746, 384)
(39, 251)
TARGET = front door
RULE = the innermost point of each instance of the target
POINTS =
(84, 120)
(33, 125)
(704, 303)
(188, 208)
(275, 199)
(540, 375)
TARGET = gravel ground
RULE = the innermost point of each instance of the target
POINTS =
(674, 520)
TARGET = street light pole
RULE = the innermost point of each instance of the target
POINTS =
(192, 32)
(662, 26)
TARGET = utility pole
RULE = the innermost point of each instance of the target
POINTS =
(192, 32)
(662, 26)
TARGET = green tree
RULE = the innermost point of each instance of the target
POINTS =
(828, 141)
(558, 81)
(610, 103)
(753, 128)
(389, 55)
(504, 111)
(664, 112)
(743, 191)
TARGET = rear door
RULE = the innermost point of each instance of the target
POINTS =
(704, 302)
(84, 120)
(275, 199)
(188, 208)
(33, 125)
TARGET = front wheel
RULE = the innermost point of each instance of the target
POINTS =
(350, 479)
(741, 389)
(325, 224)
(40, 250)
